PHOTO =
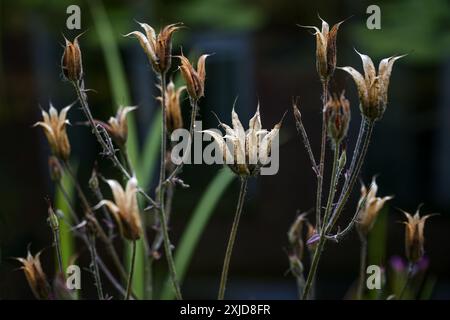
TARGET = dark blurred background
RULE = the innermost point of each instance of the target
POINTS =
(260, 54)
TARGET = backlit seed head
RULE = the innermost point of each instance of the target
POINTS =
(414, 237)
(373, 88)
(54, 126)
(158, 48)
(337, 110)
(117, 126)
(370, 208)
(36, 278)
(71, 63)
(248, 152)
(174, 118)
(195, 79)
(125, 208)
(325, 49)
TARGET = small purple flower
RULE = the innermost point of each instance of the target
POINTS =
(397, 263)
(314, 238)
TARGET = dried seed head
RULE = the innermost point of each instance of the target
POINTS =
(325, 49)
(295, 236)
(195, 79)
(117, 126)
(71, 64)
(370, 208)
(54, 125)
(125, 208)
(250, 151)
(157, 47)
(373, 88)
(36, 278)
(174, 118)
(414, 238)
(55, 168)
(338, 116)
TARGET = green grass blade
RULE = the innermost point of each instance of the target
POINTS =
(195, 227)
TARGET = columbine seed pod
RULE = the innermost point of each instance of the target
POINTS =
(325, 49)
(125, 208)
(54, 125)
(337, 110)
(373, 88)
(370, 208)
(195, 79)
(174, 118)
(157, 47)
(71, 64)
(414, 238)
(248, 152)
(117, 126)
(36, 278)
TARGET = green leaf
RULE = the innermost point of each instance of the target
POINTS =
(197, 224)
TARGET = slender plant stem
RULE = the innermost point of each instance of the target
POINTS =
(343, 201)
(130, 276)
(362, 267)
(237, 216)
(95, 271)
(56, 240)
(322, 157)
(194, 110)
(107, 148)
(319, 249)
(161, 211)
(302, 131)
(407, 282)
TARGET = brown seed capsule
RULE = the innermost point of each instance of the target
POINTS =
(250, 151)
(195, 79)
(373, 88)
(117, 126)
(157, 47)
(54, 125)
(36, 278)
(338, 115)
(125, 208)
(414, 238)
(325, 49)
(71, 63)
(174, 118)
(370, 208)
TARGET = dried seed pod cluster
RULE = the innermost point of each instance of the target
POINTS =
(338, 115)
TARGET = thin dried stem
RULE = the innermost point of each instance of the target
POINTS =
(408, 280)
(130, 277)
(161, 211)
(362, 267)
(322, 157)
(234, 227)
(94, 266)
(108, 150)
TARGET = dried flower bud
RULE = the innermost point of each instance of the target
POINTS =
(414, 238)
(71, 63)
(117, 126)
(54, 125)
(373, 88)
(125, 208)
(248, 152)
(195, 79)
(55, 168)
(295, 236)
(157, 47)
(36, 278)
(370, 208)
(325, 49)
(338, 115)
(173, 110)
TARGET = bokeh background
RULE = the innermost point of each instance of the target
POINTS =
(260, 54)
